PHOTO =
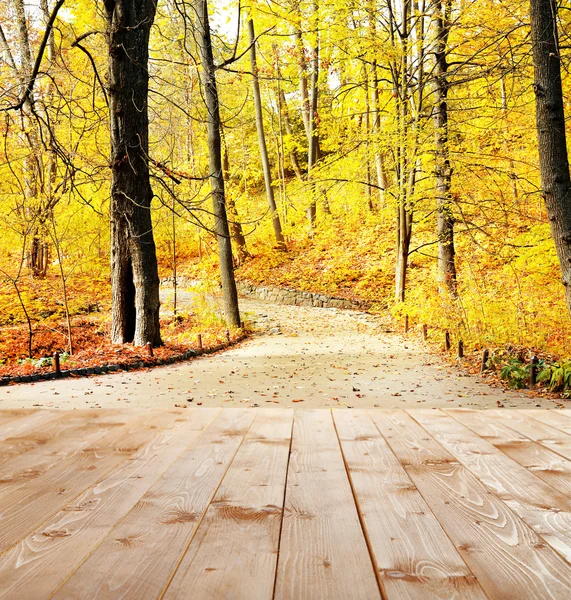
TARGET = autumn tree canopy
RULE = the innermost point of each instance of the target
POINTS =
(384, 150)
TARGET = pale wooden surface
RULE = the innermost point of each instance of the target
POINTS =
(270, 503)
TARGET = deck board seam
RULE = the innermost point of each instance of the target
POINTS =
(199, 523)
(550, 425)
(283, 507)
(515, 515)
(540, 442)
(382, 590)
(426, 501)
(102, 540)
(51, 515)
(543, 481)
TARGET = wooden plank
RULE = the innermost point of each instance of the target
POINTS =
(413, 555)
(11, 414)
(509, 559)
(40, 441)
(551, 418)
(543, 508)
(28, 422)
(552, 468)
(38, 565)
(235, 549)
(547, 436)
(138, 557)
(25, 508)
(566, 412)
(86, 427)
(323, 551)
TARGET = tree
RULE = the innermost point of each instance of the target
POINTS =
(229, 292)
(443, 171)
(550, 118)
(262, 140)
(134, 270)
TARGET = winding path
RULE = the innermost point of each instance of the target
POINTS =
(302, 357)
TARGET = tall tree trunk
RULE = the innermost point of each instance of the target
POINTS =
(446, 255)
(368, 138)
(38, 252)
(234, 220)
(550, 117)
(229, 293)
(134, 271)
(302, 66)
(382, 179)
(262, 141)
(283, 107)
(313, 152)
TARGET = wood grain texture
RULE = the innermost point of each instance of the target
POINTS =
(25, 456)
(509, 559)
(87, 428)
(323, 553)
(415, 558)
(234, 552)
(40, 563)
(553, 439)
(37, 439)
(551, 418)
(200, 503)
(7, 415)
(137, 559)
(552, 468)
(28, 422)
(25, 508)
(543, 508)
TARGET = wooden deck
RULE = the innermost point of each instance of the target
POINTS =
(255, 503)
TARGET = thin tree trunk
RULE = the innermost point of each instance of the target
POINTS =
(134, 270)
(368, 138)
(262, 141)
(313, 138)
(382, 179)
(289, 130)
(302, 66)
(229, 293)
(234, 220)
(376, 125)
(446, 254)
(38, 252)
(550, 117)
(64, 287)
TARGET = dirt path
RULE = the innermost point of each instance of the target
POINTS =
(304, 357)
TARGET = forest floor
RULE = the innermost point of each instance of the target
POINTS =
(299, 357)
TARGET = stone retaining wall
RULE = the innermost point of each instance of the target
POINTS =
(281, 295)
(297, 297)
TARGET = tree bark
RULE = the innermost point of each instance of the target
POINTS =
(262, 141)
(234, 222)
(447, 282)
(313, 152)
(229, 293)
(134, 270)
(283, 107)
(550, 118)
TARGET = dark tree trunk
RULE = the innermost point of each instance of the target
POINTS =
(262, 141)
(134, 271)
(229, 293)
(550, 116)
(446, 255)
